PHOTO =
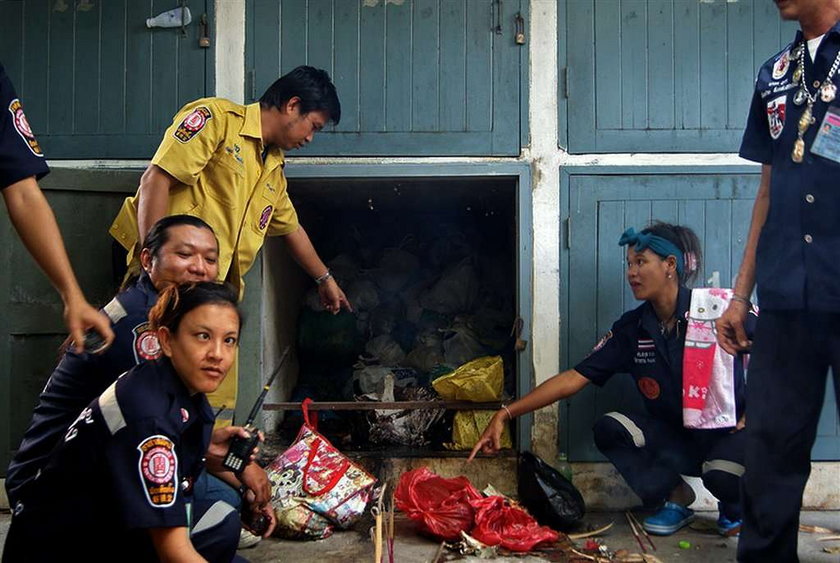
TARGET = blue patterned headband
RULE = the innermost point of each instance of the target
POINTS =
(661, 246)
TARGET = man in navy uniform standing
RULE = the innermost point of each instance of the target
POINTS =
(793, 255)
(21, 166)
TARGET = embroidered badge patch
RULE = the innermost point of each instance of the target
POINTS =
(649, 387)
(22, 127)
(146, 345)
(602, 342)
(265, 216)
(781, 66)
(158, 470)
(645, 351)
(776, 109)
(193, 124)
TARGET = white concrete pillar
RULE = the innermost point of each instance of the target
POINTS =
(229, 48)
(544, 157)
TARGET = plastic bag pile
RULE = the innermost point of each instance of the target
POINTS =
(428, 296)
(443, 508)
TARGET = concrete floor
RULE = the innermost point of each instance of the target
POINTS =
(706, 545)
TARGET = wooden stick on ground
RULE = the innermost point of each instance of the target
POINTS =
(377, 514)
(439, 552)
(597, 532)
(642, 528)
(635, 533)
(377, 539)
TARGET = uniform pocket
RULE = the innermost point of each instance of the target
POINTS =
(224, 181)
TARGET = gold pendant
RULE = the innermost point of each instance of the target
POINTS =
(798, 150)
(805, 119)
(828, 92)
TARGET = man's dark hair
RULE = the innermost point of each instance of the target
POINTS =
(159, 233)
(312, 85)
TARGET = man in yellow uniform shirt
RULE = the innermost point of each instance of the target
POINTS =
(223, 162)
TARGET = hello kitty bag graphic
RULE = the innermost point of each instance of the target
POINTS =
(312, 475)
(708, 371)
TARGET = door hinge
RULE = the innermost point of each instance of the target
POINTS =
(252, 85)
(569, 232)
(564, 81)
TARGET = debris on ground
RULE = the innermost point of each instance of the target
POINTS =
(591, 533)
(815, 529)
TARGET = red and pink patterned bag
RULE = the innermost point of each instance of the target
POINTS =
(312, 475)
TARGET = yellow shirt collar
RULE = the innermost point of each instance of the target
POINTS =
(252, 127)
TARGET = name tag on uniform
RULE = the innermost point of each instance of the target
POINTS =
(827, 143)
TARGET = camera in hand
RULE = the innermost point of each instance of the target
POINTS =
(240, 449)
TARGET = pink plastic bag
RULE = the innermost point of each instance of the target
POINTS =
(440, 506)
(497, 522)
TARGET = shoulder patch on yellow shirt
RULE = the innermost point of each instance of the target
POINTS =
(192, 124)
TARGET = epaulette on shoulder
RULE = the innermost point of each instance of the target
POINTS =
(115, 310)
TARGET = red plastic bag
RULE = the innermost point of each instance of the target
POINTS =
(499, 523)
(440, 506)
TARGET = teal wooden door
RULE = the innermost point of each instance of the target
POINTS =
(95, 82)
(31, 326)
(663, 75)
(415, 77)
(600, 207)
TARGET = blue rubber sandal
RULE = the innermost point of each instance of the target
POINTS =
(668, 519)
(728, 528)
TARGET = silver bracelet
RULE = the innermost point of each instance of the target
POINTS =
(327, 275)
(510, 416)
(743, 300)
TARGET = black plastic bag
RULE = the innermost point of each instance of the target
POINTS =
(548, 496)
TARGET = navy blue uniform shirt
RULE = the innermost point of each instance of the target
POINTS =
(20, 154)
(636, 346)
(798, 255)
(126, 464)
(79, 378)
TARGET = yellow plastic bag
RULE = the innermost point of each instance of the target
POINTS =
(467, 428)
(479, 381)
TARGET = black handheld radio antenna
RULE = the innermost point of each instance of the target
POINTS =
(239, 452)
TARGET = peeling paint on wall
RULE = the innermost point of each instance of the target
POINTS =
(375, 3)
(544, 433)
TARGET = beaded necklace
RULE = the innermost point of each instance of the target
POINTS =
(826, 90)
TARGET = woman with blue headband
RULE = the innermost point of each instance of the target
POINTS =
(651, 450)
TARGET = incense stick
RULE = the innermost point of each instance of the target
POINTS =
(391, 530)
(642, 528)
(635, 533)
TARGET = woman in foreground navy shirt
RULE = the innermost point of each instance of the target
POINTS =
(124, 471)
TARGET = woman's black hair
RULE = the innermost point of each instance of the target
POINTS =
(177, 300)
(686, 240)
(159, 233)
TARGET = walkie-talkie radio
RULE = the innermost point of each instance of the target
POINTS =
(239, 452)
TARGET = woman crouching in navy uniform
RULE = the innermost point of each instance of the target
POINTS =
(652, 450)
(119, 484)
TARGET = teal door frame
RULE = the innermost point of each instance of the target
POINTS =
(518, 172)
